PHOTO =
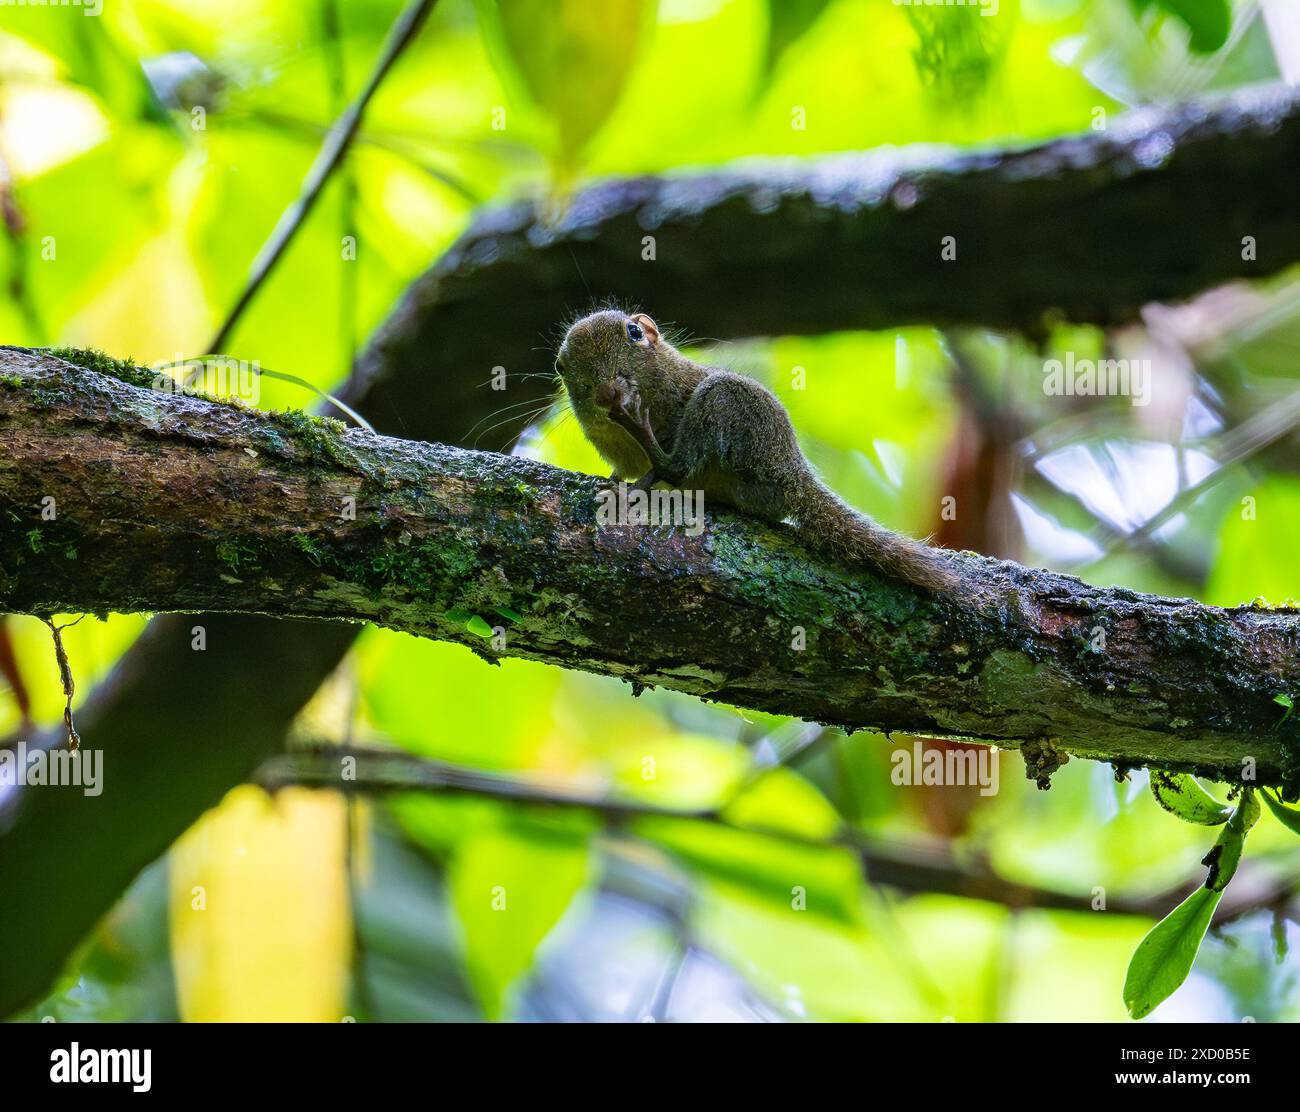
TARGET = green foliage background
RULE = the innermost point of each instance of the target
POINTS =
(155, 224)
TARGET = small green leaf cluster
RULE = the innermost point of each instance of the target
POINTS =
(1164, 958)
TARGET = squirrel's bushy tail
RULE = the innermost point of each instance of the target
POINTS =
(838, 530)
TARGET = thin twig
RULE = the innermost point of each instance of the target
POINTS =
(336, 75)
(65, 678)
(1236, 446)
(400, 146)
(907, 867)
(200, 364)
(327, 160)
(657, 1011)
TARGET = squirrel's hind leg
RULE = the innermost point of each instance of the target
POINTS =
(760, 498)
(735, 441)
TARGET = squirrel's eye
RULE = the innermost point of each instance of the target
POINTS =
(634, 332)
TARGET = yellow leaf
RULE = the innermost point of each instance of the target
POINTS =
(571, 58)
(260, 926)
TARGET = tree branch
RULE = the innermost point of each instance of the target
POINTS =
(908, 867)
(170, 503)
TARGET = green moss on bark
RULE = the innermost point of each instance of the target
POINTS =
(92, 359)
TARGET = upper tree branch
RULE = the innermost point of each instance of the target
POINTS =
(1084, 227)
(169, 503)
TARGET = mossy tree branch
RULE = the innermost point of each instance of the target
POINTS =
(168, 503)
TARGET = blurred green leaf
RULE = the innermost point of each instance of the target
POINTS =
(572, 62)
(788, 21)
(681, 770)
(91, 56)
(1284, 701)
(817, 967)
(1183, 796)
(1257, 543)
(802, 879)
(1209, 21)
(1165, 956)
(509, 888)
(1287, 816)
(782, 800)
(958, 51)
(1277, 933)
(96, 242)
(439, 823)
(414, 691)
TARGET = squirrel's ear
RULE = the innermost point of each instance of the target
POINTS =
(648, 326)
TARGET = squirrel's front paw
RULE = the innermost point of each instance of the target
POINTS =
(631, 413)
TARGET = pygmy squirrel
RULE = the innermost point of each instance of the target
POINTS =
(655, 415)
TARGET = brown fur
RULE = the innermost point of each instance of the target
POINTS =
(655, 415)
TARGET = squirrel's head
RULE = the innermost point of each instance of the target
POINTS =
(603, 347)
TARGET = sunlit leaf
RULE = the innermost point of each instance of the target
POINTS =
(799, 879)
(98, 247)
(1257, 542)
(1287, 816)
(812, 966)
(1165, 956)
(788, 21)
(260, 925)
(1182, 795)
(681, 771)
(783, 800)
(442, 701)
(572, 62)
(1209, 21)
(509, 888)
(92, 56)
